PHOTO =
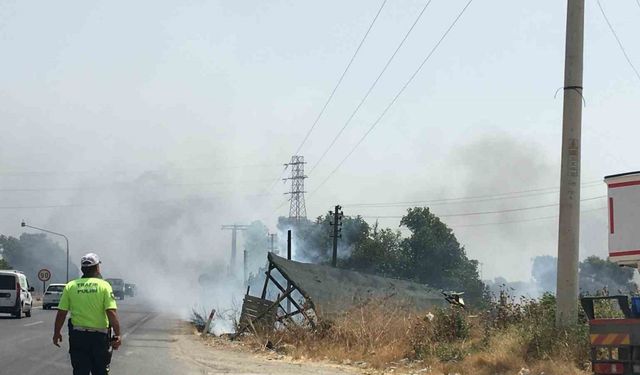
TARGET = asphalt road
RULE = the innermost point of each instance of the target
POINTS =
(26, 347)
(154, 343)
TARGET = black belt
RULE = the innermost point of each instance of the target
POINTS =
(96, 330)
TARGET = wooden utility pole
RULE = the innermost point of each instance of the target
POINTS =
(569, 222)
(337, 228)
(234, 237)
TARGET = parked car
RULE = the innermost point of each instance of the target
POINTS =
(52, 296)
(15, 294)
(118, 287)
(130, 289)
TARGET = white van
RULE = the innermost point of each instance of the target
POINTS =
(15, 294)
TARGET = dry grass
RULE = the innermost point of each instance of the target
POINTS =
(504, 354)
(501, 340)
(375, 334)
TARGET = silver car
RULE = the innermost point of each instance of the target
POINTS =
(52, 296)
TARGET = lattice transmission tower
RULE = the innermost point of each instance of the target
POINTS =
(297, 208)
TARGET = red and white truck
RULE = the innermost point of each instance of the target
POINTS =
(624, 218)
(615, 342)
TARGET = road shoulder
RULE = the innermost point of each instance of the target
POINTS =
(216, 355)
(147, 347)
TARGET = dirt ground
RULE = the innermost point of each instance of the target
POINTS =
(215, 355)
(219, 356)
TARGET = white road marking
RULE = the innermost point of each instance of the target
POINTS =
(34, 323)
(138, 324)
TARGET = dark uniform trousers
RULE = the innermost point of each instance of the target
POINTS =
(89, 352)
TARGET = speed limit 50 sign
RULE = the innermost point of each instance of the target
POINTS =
(44, 274)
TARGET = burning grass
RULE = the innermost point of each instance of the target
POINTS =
(502, 339)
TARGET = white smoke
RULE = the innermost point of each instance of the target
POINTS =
(154, 232)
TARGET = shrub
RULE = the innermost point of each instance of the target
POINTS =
(450, 324)
(198, 318)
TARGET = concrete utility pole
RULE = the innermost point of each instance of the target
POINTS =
(337, 228)
(272, 247)
(234, 236)
(289, 244)
(289, 258)
(245, 272)
(569, 223)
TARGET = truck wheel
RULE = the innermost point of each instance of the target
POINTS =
(18, 313)
(45, 307)
(28, 313)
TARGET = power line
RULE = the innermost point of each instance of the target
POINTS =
(285, 201)
(46, 206)
(516, 209)
(415, 73)
(326, 104)
(520, 221)
(615, 35)
(281, 204)
(152, 201)
(467, 199)
(477, 198)
(274, 182)
(125, 187)
(102, 172)
(275, 210)
(306, 137)
(373, 85)
(489, 212)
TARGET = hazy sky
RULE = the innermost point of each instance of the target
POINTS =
(209, 98)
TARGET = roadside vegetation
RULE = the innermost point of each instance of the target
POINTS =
(4, 265)
(430, 254)
(504, 338)
(497, 334)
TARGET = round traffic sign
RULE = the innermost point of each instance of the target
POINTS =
(44, 274)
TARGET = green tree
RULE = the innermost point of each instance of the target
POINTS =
(596, 276)
(32, 252)
(379, 253)
(599, 275)
(4, 265)
(432, 255)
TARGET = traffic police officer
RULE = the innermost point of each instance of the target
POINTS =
(93, 311)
